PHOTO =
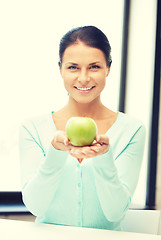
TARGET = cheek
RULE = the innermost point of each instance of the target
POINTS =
(68, 77)
(68, 81)
(101, 81)
(100, 78)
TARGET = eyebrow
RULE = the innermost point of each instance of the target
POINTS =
(94, 63)
(71, 63)
(75, 64)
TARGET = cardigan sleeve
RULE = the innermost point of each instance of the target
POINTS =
(116, 177)
(40, 170)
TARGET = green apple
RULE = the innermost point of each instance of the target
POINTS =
(81, 131)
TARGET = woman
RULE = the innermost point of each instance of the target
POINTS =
(87, 186)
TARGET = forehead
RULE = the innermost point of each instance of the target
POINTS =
(79, 51)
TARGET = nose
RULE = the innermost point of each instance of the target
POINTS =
(83, 77)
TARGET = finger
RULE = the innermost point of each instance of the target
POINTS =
(94, 141)
(80, 152)
(102, 139)
(75, 155)
(96, 148)
(77, 152)
(61, 137)
(66, 141)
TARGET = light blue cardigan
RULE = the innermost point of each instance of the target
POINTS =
(97, 192)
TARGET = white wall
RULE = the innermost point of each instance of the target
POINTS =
(30, 83)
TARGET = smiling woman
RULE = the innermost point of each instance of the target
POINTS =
(90, 185)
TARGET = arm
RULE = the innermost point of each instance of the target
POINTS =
(41, 172)
(116, 179)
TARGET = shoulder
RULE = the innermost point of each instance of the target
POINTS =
(131, 128)
(129, 122)
(37, 120)
(33, 125)
(127, 130)
(126, 127)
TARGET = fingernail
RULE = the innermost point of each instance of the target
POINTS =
(98, 139)
(65, 142)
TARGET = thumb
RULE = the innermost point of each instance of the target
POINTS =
(102, 139)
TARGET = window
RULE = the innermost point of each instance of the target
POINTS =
(30, 77)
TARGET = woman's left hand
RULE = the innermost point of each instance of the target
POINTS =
(99, 146)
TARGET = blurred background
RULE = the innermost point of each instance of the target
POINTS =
(31, 84)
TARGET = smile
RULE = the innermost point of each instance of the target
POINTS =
(84, 89)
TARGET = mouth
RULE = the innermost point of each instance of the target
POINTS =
(85, 89)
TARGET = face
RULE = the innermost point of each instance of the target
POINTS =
(84, 71)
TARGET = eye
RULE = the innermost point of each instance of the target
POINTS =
(95, 67)
(72, 67)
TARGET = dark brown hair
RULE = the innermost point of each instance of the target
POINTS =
(91, 36)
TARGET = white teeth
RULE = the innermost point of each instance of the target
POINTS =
(84, 89)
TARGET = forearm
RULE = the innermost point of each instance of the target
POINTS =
(116, 176)
(39, 190)
(113, 195)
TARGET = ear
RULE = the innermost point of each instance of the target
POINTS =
(59, 64)
(108, 71)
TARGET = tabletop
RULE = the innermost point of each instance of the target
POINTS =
(13, 229)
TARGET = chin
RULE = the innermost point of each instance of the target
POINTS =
(84, 101)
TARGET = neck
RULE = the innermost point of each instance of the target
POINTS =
(91, 109)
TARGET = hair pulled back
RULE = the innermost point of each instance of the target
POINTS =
(91, 36)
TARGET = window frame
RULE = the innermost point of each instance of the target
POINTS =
(11, 202)
(152, 161)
